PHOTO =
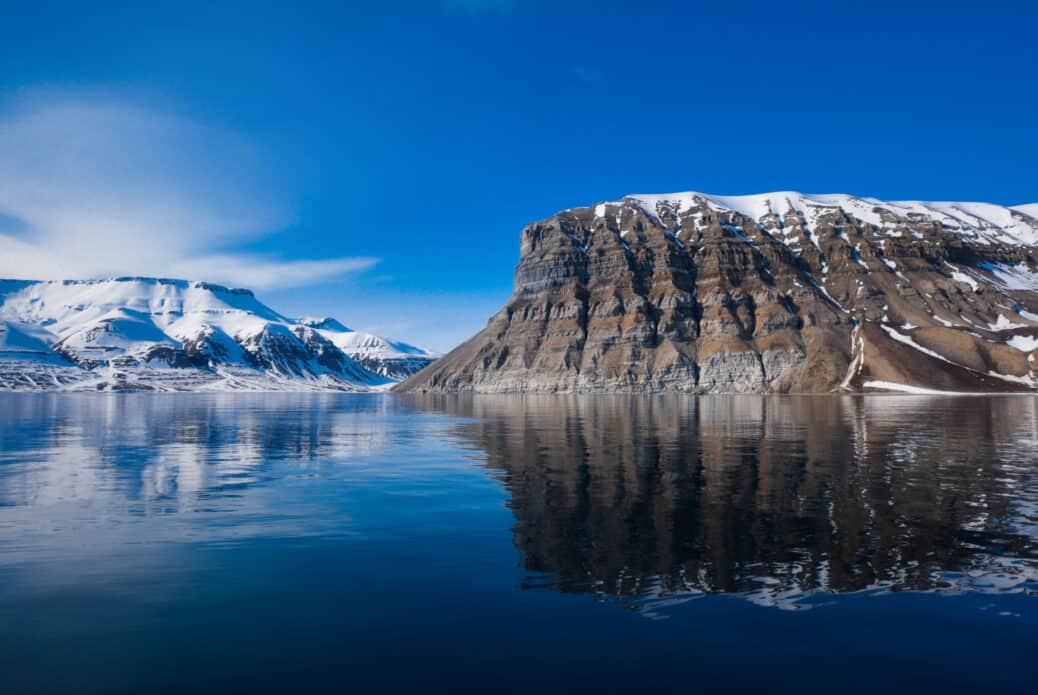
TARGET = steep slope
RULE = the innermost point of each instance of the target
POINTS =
(780, 292)
(1029, 210)
(147, 333)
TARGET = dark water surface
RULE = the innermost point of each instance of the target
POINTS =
(214, 543)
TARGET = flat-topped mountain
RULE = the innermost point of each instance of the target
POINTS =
(149, 333)
(780, 292)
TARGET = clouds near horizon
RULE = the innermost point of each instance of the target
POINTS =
(93, 186)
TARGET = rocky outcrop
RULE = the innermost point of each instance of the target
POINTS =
(755, 294)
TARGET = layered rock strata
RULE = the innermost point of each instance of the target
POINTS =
(780, 292)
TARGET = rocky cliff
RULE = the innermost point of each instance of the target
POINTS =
(781, 292)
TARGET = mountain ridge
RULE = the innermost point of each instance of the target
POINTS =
(142, 333)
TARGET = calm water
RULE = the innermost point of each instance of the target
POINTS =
(361, 543)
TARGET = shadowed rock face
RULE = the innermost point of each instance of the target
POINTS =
(757, 294)
(772, 498)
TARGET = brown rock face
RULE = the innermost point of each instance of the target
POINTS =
(756, 294)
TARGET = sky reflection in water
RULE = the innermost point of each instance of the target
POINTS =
(237, 541)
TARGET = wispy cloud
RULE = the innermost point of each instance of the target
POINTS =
(474, 7)
(92, 186)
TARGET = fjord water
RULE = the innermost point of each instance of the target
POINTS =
(200, 543)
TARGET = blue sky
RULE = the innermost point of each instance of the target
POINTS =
(376, 162)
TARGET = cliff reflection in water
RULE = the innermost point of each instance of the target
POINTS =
(774, 498)
(765, 496)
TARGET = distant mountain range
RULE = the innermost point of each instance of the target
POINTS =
(780, 292)
(159, 334)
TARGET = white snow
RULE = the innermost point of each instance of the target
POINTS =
(23, 338)
(1013, 277)
(983, 223)
(901, 338)
(358, 343)
(67, 305)
(858, 351)
(1004, 324)
(893, 266)
(821, 288)
(905, 388)
(991, 223)
(1023, 343)
(858, 259)
(1025, 380)
(958, 276)
(140, 324)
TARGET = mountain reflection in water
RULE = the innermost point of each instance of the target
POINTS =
(380, 543)
(773, 498)
(769, 497)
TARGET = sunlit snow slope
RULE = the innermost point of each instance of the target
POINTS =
(148, 333)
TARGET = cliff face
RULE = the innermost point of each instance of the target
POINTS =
(754, 294)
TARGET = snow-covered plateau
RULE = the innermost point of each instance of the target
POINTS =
(135, 333)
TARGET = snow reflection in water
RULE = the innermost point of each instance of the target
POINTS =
(195, 542)
(650, 499)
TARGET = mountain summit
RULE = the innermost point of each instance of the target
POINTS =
(150, 333)
(779, 292)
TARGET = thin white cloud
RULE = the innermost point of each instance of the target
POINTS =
(95, 187)
(257, 271)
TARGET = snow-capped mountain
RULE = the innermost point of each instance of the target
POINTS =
(149, 333)
(777, 292)
(389, 358)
